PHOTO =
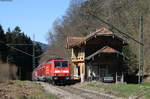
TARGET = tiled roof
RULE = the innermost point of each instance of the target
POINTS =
(105, 49)
(108, 49)
(103, 31)
(73, 40)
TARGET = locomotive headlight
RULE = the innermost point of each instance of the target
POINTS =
(67, 78)
(55, 78)
(65, 71)
(57, 71)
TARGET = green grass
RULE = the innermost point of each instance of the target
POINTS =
(146, 84)
(120, 89)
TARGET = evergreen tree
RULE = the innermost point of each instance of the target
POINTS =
(18, 54)
(21, 55)
(3, 49)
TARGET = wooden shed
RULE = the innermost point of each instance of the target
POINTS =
(98, 55)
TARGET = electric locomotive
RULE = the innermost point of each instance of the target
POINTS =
(54, 70)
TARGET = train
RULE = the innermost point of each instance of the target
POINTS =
(53, 71)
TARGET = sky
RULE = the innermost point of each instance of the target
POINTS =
(32, 16)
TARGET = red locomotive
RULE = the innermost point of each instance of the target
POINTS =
(55, 70)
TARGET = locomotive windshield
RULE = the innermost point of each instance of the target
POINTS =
(61, 63)
(64, 64)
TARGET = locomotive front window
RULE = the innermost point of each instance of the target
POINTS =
(64, 64)
(57, 64)
(61, 63)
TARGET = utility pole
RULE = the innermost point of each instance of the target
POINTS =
(33, 54)
(141, 52)
(21, 51)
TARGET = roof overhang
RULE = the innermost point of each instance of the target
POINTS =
(105, 50)
(77, 41)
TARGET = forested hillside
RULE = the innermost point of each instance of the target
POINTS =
(80, 20)
(16, 48)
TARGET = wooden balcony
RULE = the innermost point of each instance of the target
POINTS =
(77, 59)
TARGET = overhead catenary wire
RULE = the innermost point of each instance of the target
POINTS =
(112, 26)
(19, 50)
(11, 46)
(20, 44)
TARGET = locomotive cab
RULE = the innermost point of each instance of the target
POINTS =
(61, 70)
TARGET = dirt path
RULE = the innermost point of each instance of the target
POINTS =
(69, 92)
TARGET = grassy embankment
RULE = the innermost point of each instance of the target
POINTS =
(23, 90)
(119, 89)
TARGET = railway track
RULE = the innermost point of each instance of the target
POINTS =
(71, 92)
(85, 94)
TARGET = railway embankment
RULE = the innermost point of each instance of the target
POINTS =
(23, 90)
